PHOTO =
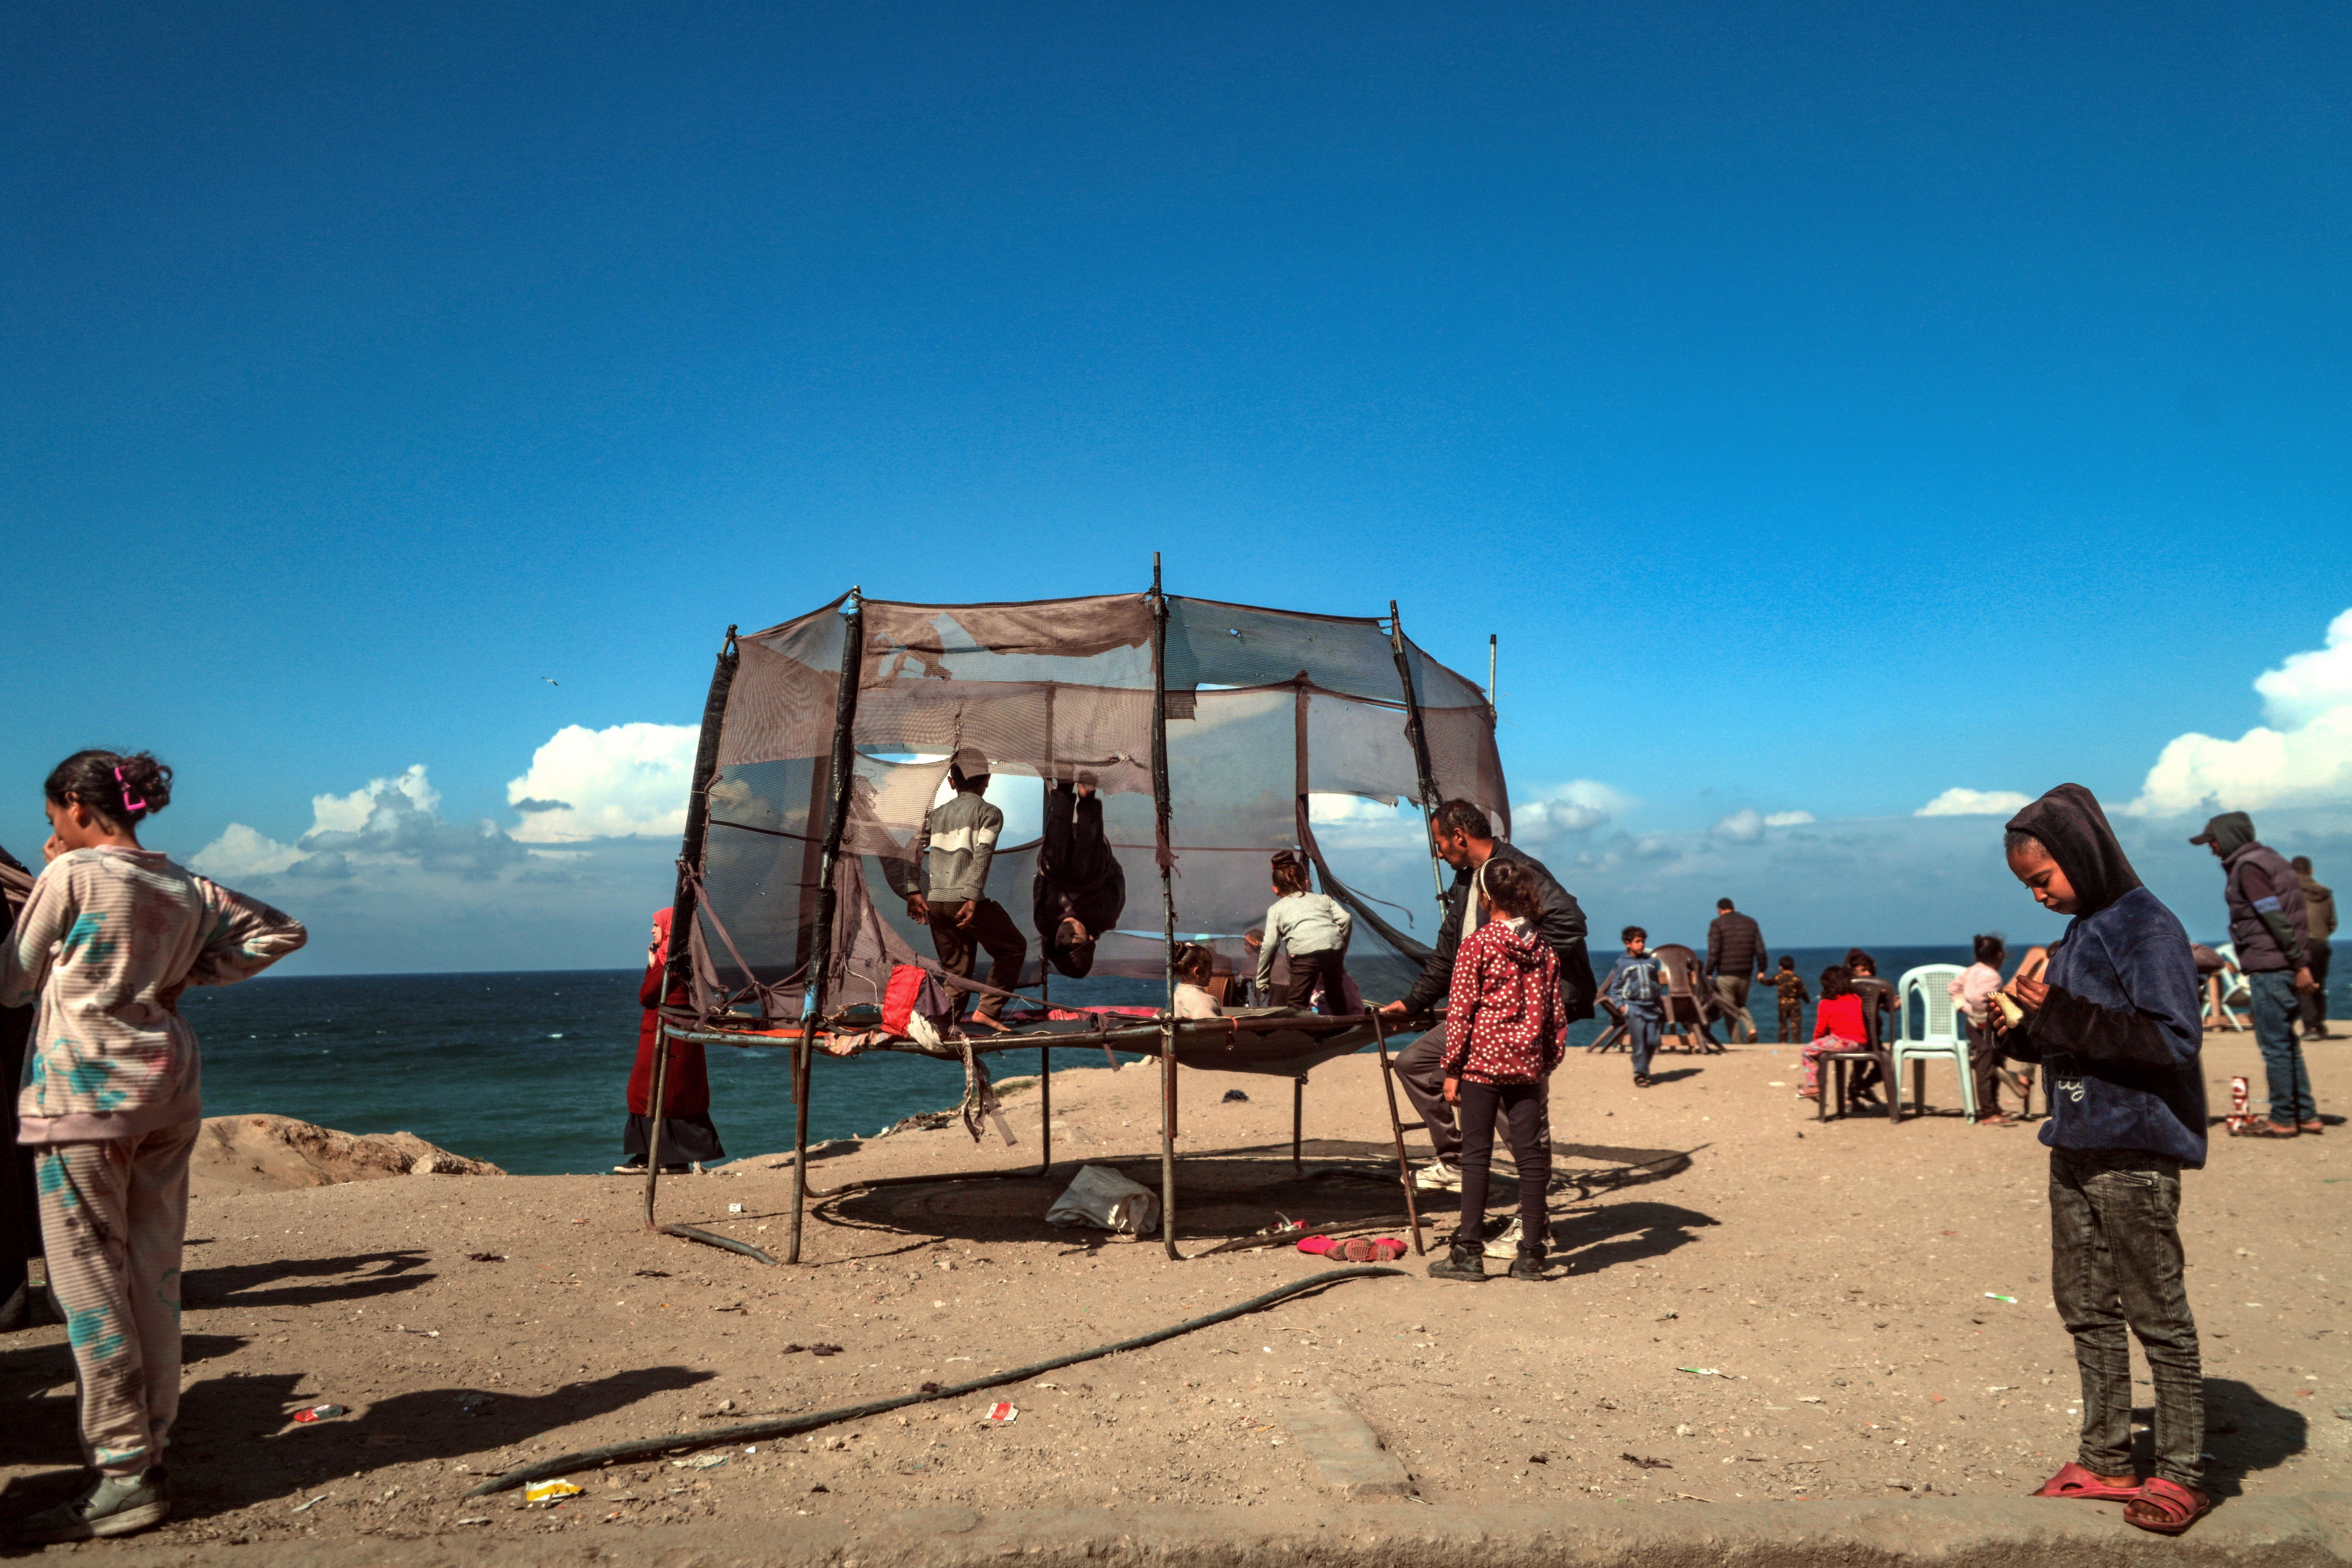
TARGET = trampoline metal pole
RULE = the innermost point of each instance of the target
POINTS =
(844, 754)
(1396, 1130)
(1422, 771)
(678, 973)
(1165, 856)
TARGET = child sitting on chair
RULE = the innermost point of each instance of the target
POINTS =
(1193, 966)
(1837, 1026)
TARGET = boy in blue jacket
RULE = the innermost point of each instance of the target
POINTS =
(1636, 989)
(2115, 1020)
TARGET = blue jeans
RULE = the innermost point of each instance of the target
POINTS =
(1643, 1025)
(2290, 1082)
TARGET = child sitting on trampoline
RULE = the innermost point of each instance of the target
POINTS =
(1194, 964)
(1313, 926)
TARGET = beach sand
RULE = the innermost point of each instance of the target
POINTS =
(1840, 1279)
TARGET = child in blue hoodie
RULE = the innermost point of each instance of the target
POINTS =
(1635, 990)
(2115, 1020)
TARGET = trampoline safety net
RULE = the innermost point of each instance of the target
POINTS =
(1266, 708)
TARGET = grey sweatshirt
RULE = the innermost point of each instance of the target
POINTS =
(1305, 923)
(958, 843)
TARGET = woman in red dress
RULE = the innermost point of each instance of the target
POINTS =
(687, 1138)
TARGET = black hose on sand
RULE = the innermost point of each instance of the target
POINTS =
(792, 1426)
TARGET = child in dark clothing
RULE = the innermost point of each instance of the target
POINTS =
(2116, 1020)
(1794, 998)
(1504, 1035)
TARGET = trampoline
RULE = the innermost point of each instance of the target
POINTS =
(1212, 735)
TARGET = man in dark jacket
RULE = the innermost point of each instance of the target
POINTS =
(2266, 922)
(1734, 956)
(2318, 929)
(1461, 836)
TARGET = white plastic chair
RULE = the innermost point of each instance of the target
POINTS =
(2236, 995)
(1941, 1038)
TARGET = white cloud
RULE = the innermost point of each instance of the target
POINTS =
(1747, 825)
(1551, 815)
(627, 780)
(1957, 802)
(349, 812)
(241, 852)
(2303, 758)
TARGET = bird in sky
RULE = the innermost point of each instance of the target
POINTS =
(550, 681)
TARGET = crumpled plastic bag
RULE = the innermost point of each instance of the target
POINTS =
(1104, 1199)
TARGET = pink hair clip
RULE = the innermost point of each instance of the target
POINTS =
(128, 804)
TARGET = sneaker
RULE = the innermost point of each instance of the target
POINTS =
(630, 1168)
(111, 1505)
(1463, 1260)
(1437, 1176)
(1506, 1244)
(1526, 1267)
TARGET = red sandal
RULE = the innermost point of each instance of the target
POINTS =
(1317, 1245)
(2176, 1507)
(2073, 1481)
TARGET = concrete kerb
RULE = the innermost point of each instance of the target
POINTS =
(2314, 1530)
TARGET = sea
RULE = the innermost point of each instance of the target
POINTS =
(529, 1070)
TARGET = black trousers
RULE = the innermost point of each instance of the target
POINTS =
(1078, 878)
(1330, 966)
(1525, 1111)
(2314, 1006)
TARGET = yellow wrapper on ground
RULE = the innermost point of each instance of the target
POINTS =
(550, 1491)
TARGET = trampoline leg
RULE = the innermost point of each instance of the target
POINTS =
(1168, 1140)
(1298, 1121)
(656, 1105)
(1045, 1109)
(1396, 1131)
(800, 1142)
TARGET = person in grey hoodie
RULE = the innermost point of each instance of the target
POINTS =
(2266, 922)
(954, 855)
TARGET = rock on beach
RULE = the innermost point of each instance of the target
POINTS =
(238, 1154)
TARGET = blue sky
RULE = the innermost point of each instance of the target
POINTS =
(1826, 410)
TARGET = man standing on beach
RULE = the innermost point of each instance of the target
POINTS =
(2266, 922)
(954, 855)
(2318, 927)
(1461, 835)
(1735, 957)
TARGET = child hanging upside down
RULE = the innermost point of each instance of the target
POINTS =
(1079, 888)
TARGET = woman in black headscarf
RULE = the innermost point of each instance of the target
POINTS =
(2115, 1018)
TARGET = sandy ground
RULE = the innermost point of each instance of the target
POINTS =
(1836, 1276)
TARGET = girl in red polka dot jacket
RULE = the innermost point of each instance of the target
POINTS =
(1505, 1033)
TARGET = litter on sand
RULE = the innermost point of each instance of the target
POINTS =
(307, 1507)
(1001, 1412)
(320, 1412)
(550, 1491)
(1235, 1097)
(1707, 1372)
(700, 1462)
(1996, 1296)
(734, 1208)
(1635, 1459)
(484, 1258)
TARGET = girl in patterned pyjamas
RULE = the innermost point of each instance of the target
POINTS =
(112, 1100)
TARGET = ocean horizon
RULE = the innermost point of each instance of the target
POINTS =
(528, 1069)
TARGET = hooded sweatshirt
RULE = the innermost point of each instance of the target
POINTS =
(2120, 1030)
(2266, 896)
(1503, 1015)
(107, 939)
